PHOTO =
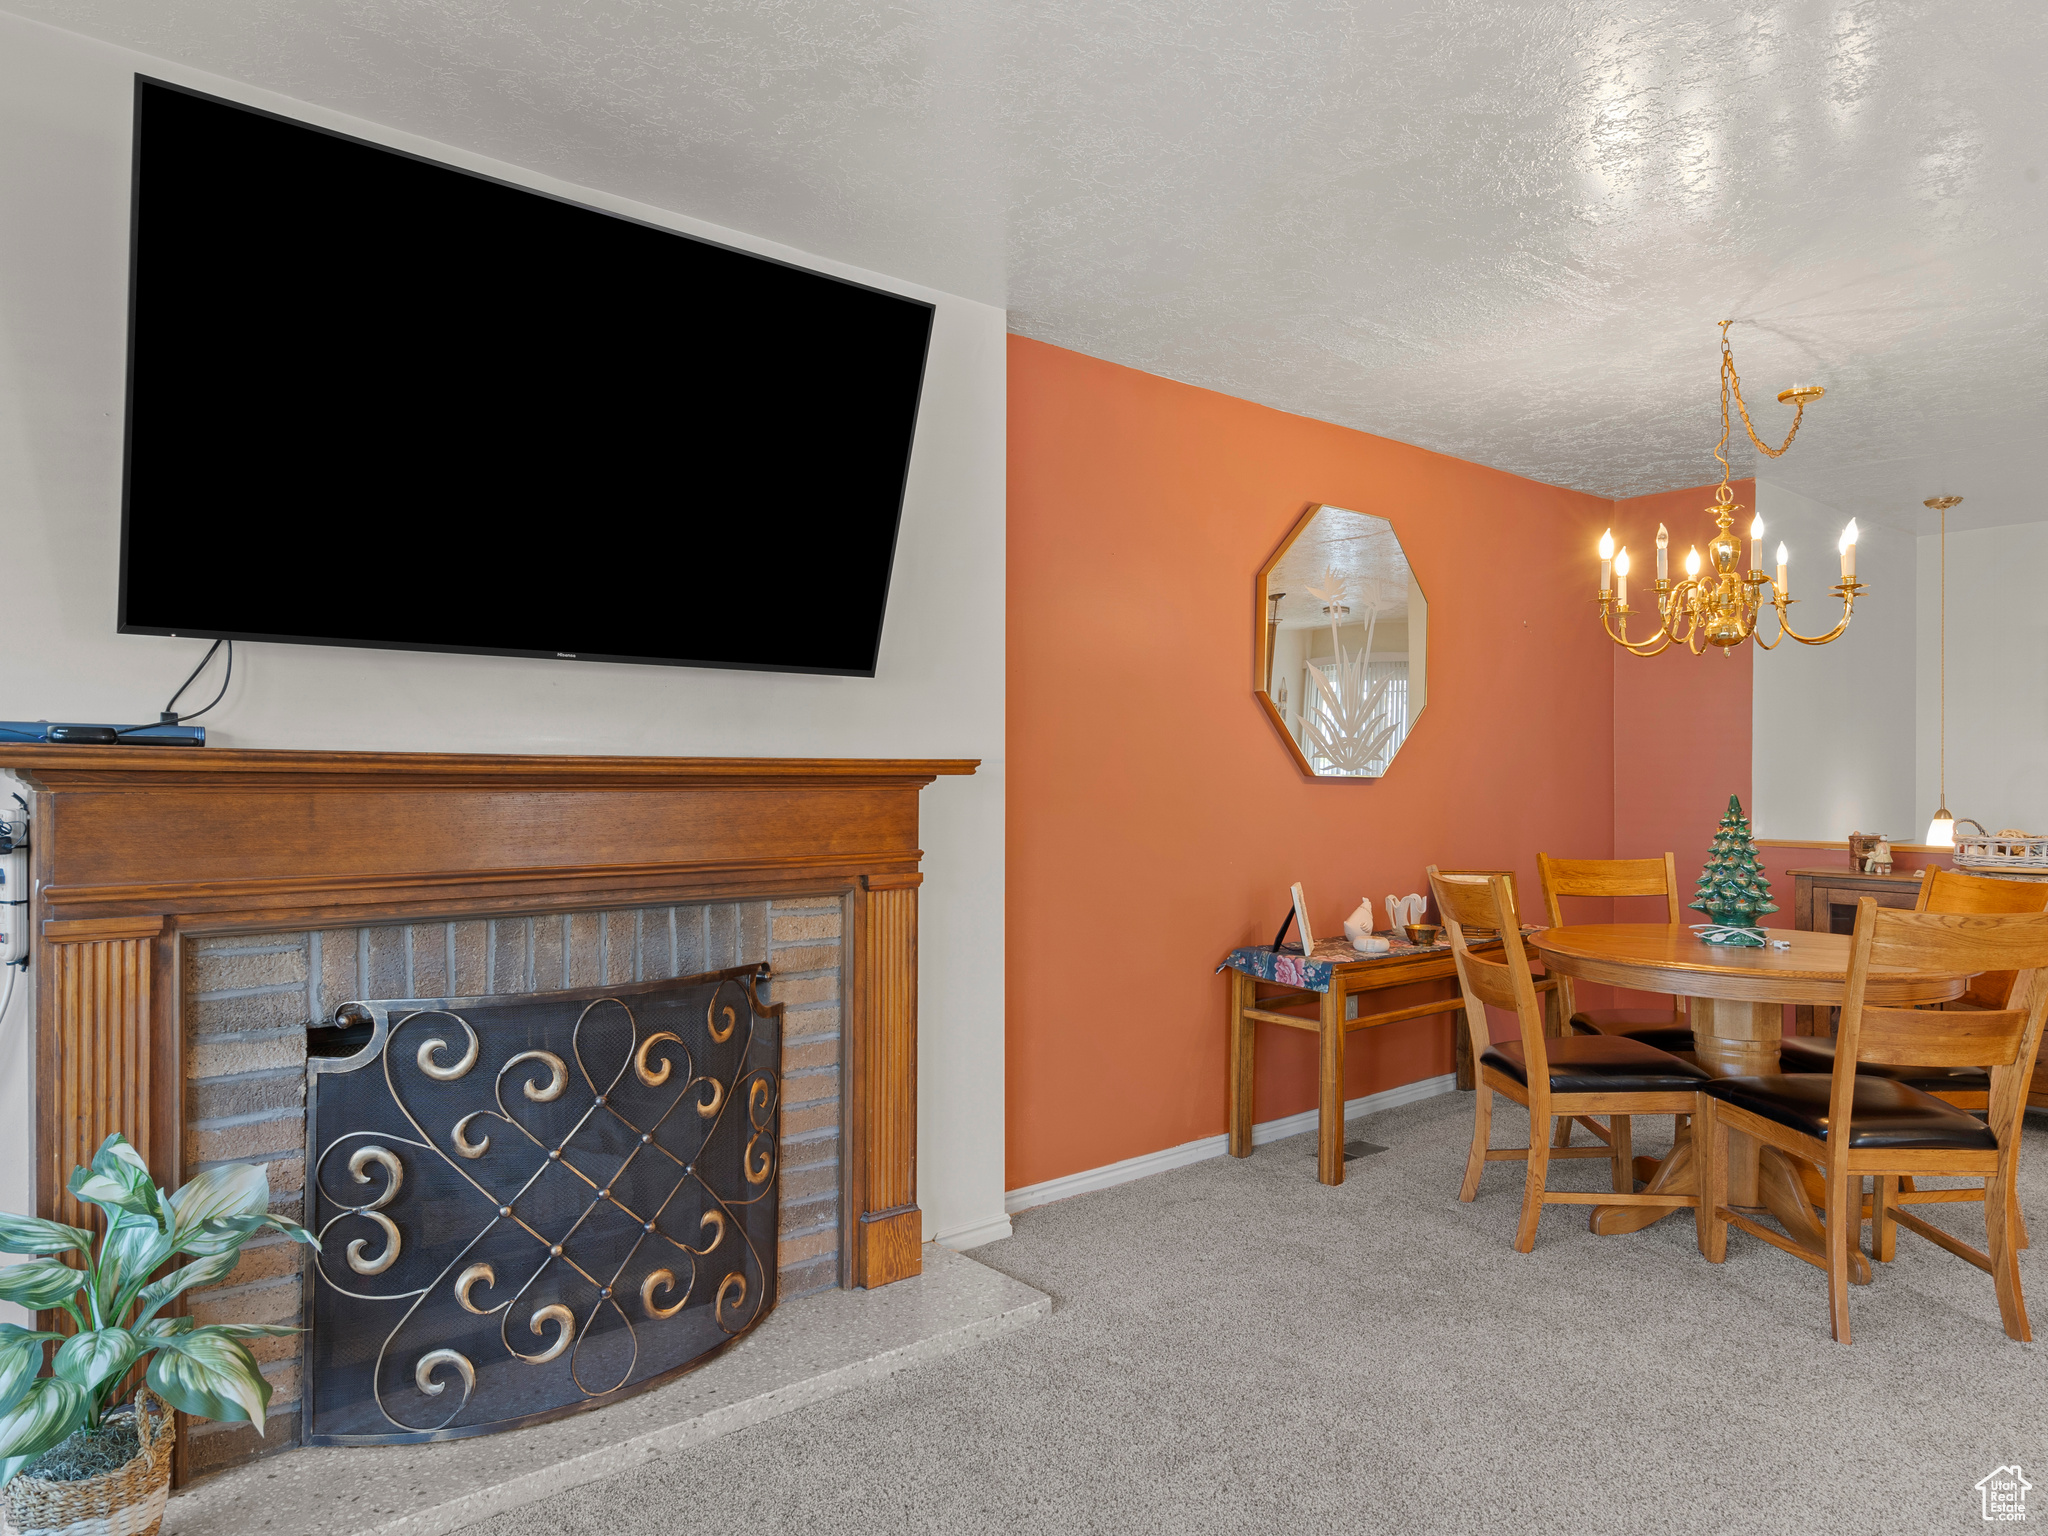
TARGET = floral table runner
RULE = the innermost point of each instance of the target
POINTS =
(1290, 968)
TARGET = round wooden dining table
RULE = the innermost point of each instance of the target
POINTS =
(1736, 1001)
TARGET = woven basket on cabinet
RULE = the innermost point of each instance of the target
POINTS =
(128, 1501)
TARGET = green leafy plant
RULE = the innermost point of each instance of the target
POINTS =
(115, 1305)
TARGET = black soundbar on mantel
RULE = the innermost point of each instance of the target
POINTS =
(75, 735)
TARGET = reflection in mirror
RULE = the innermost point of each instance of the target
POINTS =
(1343, 643)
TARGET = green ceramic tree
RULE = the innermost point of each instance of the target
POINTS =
(1733, 890)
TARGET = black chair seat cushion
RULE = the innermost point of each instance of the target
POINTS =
(1600, 1064)
(1816, 1053)
(1884, 1113)
(1652, 1026)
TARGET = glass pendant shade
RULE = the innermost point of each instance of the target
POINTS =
(1941, 832)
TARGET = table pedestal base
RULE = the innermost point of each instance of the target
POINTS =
(1733, 1039)
(1780, 1192)
(1738, 1040)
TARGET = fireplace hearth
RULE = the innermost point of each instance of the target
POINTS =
(531, 1205)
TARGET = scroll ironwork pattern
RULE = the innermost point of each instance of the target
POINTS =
(545, 1201)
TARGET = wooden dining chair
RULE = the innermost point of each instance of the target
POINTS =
(1854, 1124)
(1550, 988)
(1564, 1077)
(1547, 987)
(1941, 890)
(1481, 874)
(1667, 1027)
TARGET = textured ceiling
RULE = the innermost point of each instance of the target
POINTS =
(1357, 547)
(1497, 228)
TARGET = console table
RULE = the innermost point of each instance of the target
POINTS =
(1333, 973)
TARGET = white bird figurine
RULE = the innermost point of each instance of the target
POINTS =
(1358, 929)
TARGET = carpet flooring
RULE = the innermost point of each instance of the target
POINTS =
(1235, 1348)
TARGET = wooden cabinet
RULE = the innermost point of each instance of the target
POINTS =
(1824, 901)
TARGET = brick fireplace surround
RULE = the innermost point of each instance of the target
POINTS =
(196, 910)
(248, 999)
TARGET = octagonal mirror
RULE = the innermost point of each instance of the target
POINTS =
(1342, 643)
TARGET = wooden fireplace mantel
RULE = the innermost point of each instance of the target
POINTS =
(135, 849)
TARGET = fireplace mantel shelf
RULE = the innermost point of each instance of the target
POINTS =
(62, 765)
(259, 837)
(138, 849)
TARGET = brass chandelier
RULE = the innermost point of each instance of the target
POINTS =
(1722, 608)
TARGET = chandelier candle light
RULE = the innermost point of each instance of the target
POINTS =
(1722, 609)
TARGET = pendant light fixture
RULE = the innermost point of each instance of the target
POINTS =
(1723, 607)
(1941, 832)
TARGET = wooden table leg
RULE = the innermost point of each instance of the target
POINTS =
(1737, 1040)
(1461, 1053)
(1240, 1043)
(1674, 1176)
(1330, 1089)
(1783, 1194)
(1731, 1040)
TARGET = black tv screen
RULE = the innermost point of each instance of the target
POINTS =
(378, 401)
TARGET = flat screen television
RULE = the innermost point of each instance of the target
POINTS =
(378, 401)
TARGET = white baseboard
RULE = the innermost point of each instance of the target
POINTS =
(960, 1239)
(1209, 1146)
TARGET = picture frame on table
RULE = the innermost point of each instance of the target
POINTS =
(1308, 942)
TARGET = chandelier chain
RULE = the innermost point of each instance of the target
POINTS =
(1731, 383)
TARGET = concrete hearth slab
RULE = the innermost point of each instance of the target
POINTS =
(806, 1351)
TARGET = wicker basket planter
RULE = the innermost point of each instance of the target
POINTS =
(214, 1375)
(128, 1501)
(2008, 850)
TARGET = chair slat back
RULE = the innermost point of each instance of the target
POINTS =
(1608, 877)
(1487, 901)
(1505, 874)
(1944, 890)
(1946, 944)
(1900, 1037)
(1480, 874)
(1957, 943)
(1489, 978)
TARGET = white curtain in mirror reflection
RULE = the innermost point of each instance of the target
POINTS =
(1361, 735)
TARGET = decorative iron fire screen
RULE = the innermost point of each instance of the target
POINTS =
(533, 1205)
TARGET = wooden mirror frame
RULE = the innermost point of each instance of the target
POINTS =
(1262, 640)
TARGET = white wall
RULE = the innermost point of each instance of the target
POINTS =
(1832, 726)
(1997, 678)
(64, 159)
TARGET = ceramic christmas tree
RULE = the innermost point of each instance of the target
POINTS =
(1733, 890)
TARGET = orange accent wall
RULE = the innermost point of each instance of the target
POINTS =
(1156, 819)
